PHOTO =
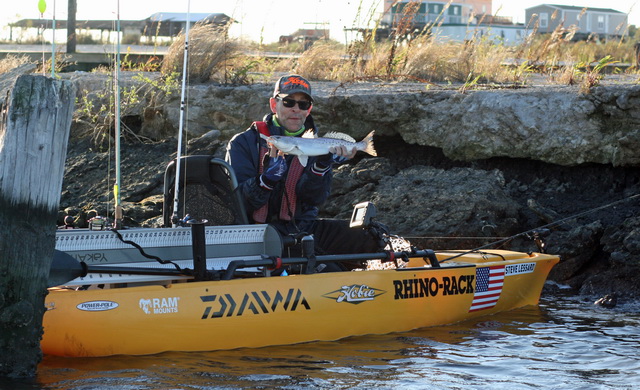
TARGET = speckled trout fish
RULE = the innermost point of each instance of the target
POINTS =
(309, 145)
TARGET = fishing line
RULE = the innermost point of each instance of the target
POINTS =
(559, 222)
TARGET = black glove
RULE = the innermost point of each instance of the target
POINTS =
(275, 172)
(324, 162)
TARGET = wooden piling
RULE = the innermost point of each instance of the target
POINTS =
(35, 118)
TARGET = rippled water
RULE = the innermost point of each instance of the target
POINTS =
(564, 343)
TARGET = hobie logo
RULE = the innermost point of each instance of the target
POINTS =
(97, 306)
(355, 293)
(159, 305)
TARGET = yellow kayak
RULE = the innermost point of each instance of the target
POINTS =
(185, 315)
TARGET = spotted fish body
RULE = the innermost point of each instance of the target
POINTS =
(308, 145)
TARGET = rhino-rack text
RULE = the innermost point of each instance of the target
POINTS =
(430, 287)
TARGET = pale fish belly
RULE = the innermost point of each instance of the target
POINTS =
(302, 146)
(318, 146)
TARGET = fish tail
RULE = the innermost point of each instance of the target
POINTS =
(368, 144)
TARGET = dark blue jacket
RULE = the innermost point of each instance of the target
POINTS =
(312, 190)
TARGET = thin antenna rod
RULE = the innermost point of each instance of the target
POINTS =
(53, 43)
(174, 218)
(117, 220)
(42, 7)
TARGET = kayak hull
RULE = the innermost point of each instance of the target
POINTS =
(263, 311)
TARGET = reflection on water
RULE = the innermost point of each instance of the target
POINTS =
(565, 343)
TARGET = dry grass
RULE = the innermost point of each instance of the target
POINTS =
(477, 61)
(423, 59)
(10, 62)
(322, 62)
(406, 55)
(456, 62)
(61, 62)
(210, 55)
(480, 60)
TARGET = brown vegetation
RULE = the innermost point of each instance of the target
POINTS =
(481, 60)
(11, 62)
(211, 55)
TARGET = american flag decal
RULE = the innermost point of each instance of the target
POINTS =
(489, 281)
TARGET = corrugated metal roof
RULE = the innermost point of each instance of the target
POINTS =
(175, 17)
(182, 17)
(80, 24)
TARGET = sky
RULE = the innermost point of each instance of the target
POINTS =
(266, 20)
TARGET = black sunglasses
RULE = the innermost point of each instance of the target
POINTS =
(302, 104)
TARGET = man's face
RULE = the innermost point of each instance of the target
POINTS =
(291, 118)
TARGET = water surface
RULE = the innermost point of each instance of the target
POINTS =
(564, 343)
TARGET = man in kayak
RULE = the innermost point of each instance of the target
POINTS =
(278, 189)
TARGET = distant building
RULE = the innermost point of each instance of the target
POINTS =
(306, 36)
(421, 13)
(600, 22)
(459, 20)
(126, 26)
(160, 24)
(169, 24)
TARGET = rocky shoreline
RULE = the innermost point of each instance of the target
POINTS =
(455, 170)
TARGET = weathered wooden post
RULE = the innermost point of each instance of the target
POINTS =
(35, 117)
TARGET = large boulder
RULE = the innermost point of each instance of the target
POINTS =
(553, 124)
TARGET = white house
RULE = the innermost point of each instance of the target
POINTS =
(603, 22)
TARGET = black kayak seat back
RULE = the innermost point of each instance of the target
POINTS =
(207, 190)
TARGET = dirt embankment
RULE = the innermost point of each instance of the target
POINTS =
(454, 170)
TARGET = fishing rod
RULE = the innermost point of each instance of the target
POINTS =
(42, 7)
(537, 229)
(174, 217)
(53, 42)
(117, 217)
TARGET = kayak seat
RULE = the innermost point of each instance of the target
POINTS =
(207, 190)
